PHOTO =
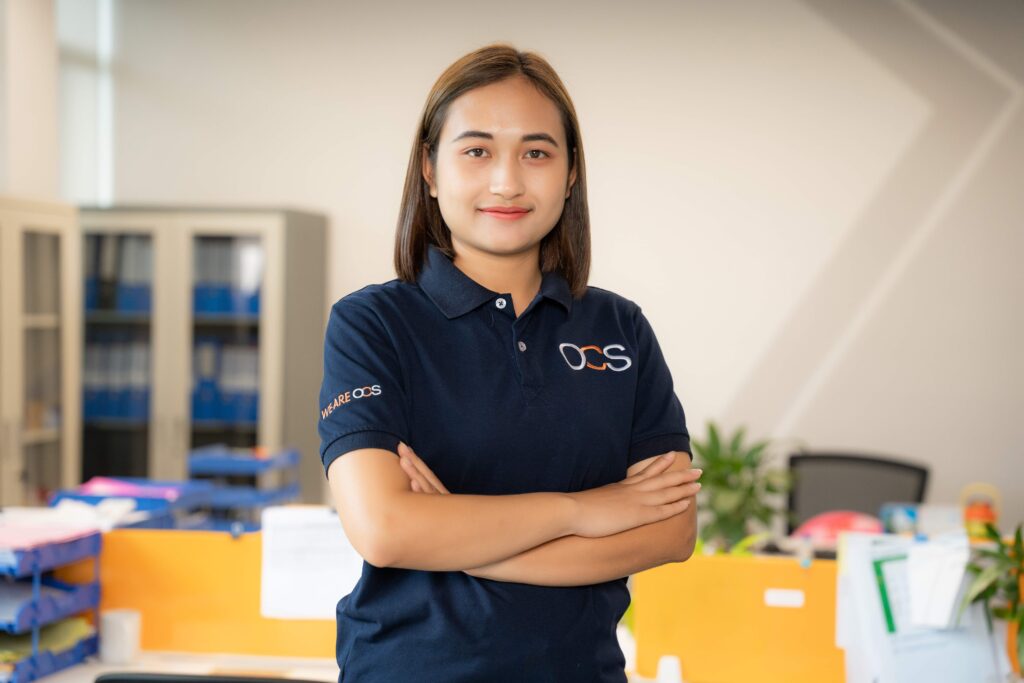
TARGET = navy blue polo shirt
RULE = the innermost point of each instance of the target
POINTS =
(563, 398)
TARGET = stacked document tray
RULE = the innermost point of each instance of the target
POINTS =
(40, 632)
(247, 481)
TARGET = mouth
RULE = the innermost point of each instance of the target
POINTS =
(505, 213)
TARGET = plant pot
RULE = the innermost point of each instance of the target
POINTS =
(1011, 647)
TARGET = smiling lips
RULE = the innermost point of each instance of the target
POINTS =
(505, 213)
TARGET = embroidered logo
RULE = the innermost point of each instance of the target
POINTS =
(576, 357)
(347, 396)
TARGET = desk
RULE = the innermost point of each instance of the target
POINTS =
(712, 612)
(306, 668)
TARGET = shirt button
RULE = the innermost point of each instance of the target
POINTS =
(500, 303)
(522, 346)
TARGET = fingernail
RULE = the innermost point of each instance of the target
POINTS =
(699, 472)
(669, 456)
(698, 484)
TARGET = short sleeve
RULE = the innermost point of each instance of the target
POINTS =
(659, 424)
(362, 399)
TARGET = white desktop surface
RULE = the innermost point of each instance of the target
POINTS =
(325, 670)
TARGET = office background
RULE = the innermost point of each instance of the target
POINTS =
(816, 203)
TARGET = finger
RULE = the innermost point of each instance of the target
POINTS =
(422, 468)
(673, 509)
(666, 480)
(415, 477)
(670, 495)
(658, 465)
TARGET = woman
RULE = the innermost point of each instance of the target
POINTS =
(535, 409)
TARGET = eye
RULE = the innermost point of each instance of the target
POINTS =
(470, 152)
(538, 151)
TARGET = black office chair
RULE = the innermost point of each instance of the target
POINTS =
(845, 481)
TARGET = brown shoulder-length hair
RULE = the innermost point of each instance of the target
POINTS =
(566, 248)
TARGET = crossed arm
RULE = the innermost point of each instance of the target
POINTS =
(576, 560)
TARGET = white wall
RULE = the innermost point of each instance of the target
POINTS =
(28, 99)
(814, 202)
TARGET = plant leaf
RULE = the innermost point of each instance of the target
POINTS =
(752, 458)
(993, 534)
(1001, 613)
(737, 440)
(980, 585)
(713, 443)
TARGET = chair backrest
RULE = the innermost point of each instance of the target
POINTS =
(845, 481)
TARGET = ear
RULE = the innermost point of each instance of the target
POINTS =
(572, 176)
(428, 172)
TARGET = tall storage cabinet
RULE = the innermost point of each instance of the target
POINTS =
(40, 347)
(202, 326)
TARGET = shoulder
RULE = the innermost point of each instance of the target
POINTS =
(378, 300)
(375, 308)
(597, 301)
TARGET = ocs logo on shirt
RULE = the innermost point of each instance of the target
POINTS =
(348, 396)
(576, 357)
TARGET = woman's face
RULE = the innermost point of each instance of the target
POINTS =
(501, 147)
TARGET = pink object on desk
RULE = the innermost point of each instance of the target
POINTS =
(105, 486)
(823, 529)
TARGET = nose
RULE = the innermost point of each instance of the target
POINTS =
(506, 177)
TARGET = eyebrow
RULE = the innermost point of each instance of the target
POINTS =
(532, 137)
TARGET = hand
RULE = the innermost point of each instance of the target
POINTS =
(649, 496)
(421, 479)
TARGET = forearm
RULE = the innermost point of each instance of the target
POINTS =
(578, 561)
(456, 532)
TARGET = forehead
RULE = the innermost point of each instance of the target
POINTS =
(512, 107)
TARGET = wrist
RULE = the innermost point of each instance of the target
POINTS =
(569, 513)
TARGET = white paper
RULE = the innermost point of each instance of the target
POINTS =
(935, 571)
(308, 563)
(911, 653)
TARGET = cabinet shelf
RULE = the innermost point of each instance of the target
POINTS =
(116, 318)
(42, 321)
(35, 436)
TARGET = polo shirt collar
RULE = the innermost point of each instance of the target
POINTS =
(456, 294)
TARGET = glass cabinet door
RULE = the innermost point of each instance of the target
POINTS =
(41, 406)
(227, 277)
(116, 365)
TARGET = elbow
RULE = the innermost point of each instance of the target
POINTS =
(378, 546)
(687, 540)
(373, 540)
(378, 555)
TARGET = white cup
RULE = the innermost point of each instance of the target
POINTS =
(120, 632)
(669, 670)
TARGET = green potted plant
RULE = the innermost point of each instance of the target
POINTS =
(737, 491)
(997, 583)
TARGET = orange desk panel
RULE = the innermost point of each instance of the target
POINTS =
(199, 591)
(710, 611)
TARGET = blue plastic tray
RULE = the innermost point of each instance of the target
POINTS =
(73, 598)
(45, 663)
(218, 460)
(234, 497)
(21, 563)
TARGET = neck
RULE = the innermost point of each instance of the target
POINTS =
(517, 274)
